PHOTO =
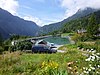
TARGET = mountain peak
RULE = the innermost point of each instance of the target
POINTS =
(79, 14)
(87, 9)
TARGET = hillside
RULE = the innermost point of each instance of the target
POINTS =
(10, 24)
(80, 23)
(56, 26)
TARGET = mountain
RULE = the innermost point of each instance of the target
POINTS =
(10, 24)
(80, 23)
(56, 26)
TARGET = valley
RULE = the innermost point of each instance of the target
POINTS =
(78, 38)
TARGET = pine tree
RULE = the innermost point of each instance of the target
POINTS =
(92, 28)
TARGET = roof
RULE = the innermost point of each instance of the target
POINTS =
(41, 42)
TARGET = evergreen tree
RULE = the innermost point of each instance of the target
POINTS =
(92, 28)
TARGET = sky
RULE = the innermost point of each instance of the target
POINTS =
(44, 12)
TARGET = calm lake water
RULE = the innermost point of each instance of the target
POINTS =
(58, 40)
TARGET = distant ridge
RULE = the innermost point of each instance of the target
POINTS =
(55, 26)
(10, 24)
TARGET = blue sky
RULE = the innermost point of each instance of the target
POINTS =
(44, 12)
(48, 11)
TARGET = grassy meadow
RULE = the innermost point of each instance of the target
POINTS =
(73, 62)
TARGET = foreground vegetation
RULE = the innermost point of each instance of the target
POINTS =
(73, 62)
(81, 58)
(37, 64)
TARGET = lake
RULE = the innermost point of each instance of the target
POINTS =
(58, 40)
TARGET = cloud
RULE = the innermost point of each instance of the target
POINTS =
(49, 20)
(9, 5)
(26, 7)
(34, 19)
(72, 6)
(40, 22)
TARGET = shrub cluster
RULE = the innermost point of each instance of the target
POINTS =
(95, 46)
(1, 50)
(21, 46)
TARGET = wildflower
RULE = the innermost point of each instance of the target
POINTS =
(93, 54)
(84, 71)
(88, 59)
(94, 51)
(92, 59)
(90, 65)
(87, 50)
(98, 66)
(98, 53)
(44, 64)
(92, 68)
(97, 72)
(87, 72)
(89, 69)
(91, 49)
(50, 64)
(84, 68)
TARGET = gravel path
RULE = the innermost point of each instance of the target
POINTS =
(60, 51)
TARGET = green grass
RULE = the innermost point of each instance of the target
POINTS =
(55, 64)
(67, 34)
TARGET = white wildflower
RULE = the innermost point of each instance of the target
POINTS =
(97, 56)
(87, 72)
(91, 49)
(97, 72)
(84, 71)
(90, 65)
(94, 51)
(98, 53)
(89, 69)
(92, 68)
(93, 54)
(88, 59)
(98, 66)
(88, 50)
(92, 58)
(84, 68)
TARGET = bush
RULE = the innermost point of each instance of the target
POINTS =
(1, 50)
(12, 48)
(6, 47)
(95, 46)
(80, 37)
(24, 46)
(97, 43)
